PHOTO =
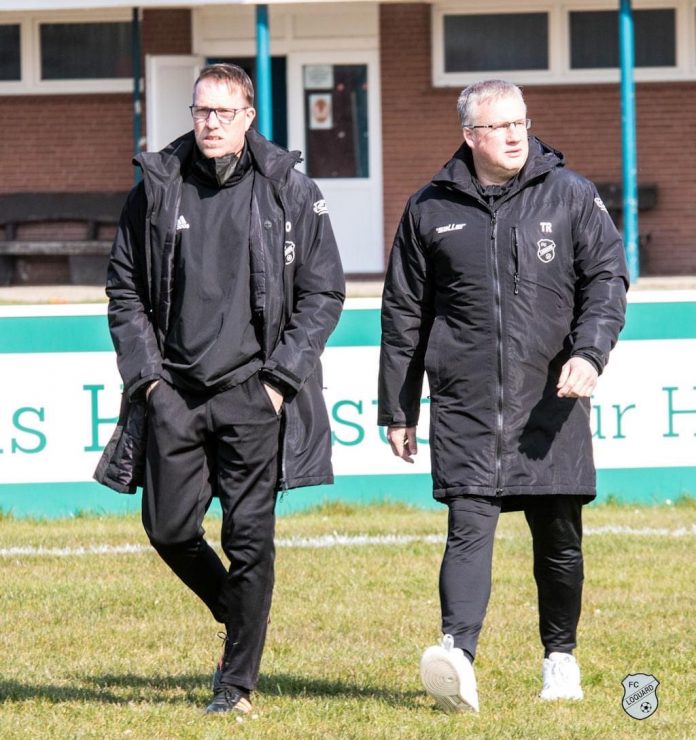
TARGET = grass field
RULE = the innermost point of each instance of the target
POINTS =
(99, 640)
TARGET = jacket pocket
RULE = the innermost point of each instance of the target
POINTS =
(516, 259)
(267, 399)
(433, 351)
(122, 464)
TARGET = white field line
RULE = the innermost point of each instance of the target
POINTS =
(334, 540)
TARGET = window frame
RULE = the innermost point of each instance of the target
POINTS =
(30, 82)
(559, 70)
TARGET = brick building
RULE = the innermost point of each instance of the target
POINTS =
(367, 91)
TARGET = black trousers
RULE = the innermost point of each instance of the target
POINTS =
(555, 523)
(224, 445)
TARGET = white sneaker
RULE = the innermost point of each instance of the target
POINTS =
(448, 676)
(560, 675)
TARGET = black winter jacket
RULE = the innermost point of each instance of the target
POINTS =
(490, 301)
(297, 290)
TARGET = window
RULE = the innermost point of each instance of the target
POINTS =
(549, 42)
(492, 42)
(594, 38)
(82, 51)
(10, 66)
(66, 52)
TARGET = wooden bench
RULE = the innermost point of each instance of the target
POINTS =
(90, 210)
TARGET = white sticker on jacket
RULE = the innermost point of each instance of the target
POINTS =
(600, 204)
(320, 207)
(289, 252)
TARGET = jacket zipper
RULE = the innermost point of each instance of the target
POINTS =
(516, 258)
(282, 449)
(499, 348)
(168, 269)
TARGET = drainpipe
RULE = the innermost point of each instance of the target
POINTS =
(137, 103)
(264, 92)
(628, 127)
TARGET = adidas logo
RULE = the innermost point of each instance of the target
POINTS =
(182, 223)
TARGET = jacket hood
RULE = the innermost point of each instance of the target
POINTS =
(270, 160)
(459, 172)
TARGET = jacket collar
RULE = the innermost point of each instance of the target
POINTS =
(162, 167)
(459, 172)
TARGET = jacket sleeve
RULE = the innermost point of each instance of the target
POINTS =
(601, 280)
(318, 292)
(407, 317)
(132, 331)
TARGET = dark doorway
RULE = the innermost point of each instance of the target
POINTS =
(279, 93)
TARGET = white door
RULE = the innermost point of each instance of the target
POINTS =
(334, 120)
(168, 93)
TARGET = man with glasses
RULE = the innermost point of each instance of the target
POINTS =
(224, 284)
(507, 286)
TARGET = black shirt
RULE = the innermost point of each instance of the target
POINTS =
(212, 343)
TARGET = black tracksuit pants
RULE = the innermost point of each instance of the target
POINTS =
(465, 576)
(224, 445)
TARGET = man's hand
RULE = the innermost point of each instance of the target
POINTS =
(578, 379)
(403, 442)
(275, 396)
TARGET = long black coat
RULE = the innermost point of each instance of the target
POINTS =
(490, 301)
(297, 293)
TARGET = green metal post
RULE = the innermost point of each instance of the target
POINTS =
(264, 91)
(628, 127)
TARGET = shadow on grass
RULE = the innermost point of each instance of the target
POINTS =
(284, 684)
(190, 689)
(110, 689)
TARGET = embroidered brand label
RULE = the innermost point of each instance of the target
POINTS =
(449, 227)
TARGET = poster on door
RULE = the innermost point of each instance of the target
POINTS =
(320, 111)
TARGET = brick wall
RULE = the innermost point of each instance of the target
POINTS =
(66, 143)
(80, 142)
(421, 131)
(166, 31)
(419, 122)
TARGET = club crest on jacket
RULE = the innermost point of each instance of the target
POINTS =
(546, 249)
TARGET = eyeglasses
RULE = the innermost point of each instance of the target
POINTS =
(499, 128)
(224, 115)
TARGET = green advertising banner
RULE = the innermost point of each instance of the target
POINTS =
(61, 391)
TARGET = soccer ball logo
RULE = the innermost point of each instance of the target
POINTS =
(646, 707)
